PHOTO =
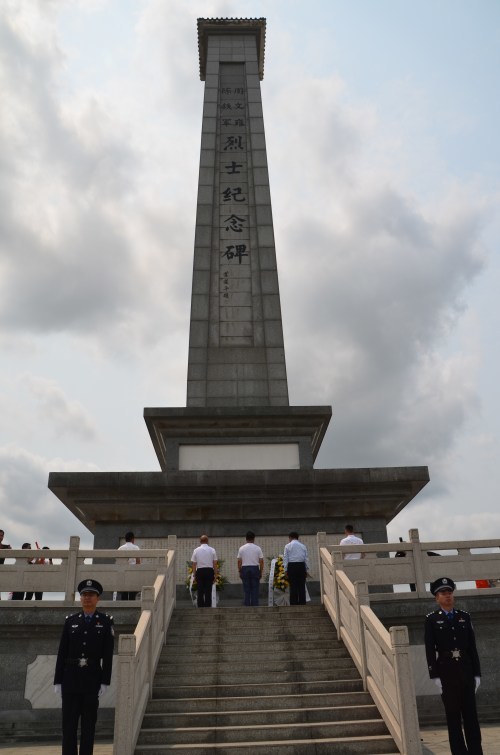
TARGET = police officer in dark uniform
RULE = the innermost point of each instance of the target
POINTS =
(83, 668)
(453, 663)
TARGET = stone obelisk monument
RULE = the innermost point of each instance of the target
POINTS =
(236, 352)
(237, 456)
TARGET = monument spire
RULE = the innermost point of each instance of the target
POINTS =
(236, 350)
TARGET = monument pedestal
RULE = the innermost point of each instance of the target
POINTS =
(228, 470)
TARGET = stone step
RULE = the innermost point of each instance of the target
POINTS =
(254, 645)
(177, 667)
(211, 734)
(231, 611)
(249, 690)
(259, 717)
(238, 634)
(259, 653)
(257, 702)
(259, 681)
(260, 676)
(373, 745)
(249, 617)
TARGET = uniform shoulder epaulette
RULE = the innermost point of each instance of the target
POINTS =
(431, 613)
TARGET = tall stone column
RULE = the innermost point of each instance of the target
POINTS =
(236, 351)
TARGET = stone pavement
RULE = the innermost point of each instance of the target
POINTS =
(434, 742)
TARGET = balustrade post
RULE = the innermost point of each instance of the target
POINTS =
(71, 569)
(362, 599)
(148, 604)
(336, 554)
(172, 582)
(405, 690)
(418, 562)
(123, 743)
(321, 543)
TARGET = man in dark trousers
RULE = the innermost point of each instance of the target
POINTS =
(83, 668)
(205, 570)
(453, 663)
(296, 565)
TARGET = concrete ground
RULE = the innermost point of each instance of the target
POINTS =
(434, 742)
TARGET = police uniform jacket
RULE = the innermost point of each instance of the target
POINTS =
(443, 636)
(85, 655)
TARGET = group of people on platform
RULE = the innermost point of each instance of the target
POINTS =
(16, 595)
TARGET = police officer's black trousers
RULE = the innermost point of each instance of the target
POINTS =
(74, 707)
(459, 698)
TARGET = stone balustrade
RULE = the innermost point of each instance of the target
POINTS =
(464, 561)
(69, 567)
(381, 656)
(138, 656)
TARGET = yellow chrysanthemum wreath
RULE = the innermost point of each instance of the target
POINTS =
(280, 582)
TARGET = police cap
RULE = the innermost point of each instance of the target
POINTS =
(90, 585)
(443, 583)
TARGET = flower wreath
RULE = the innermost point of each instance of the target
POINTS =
(280, 581)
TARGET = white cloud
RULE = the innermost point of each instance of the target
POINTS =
(97, 211)
(60, 415)
(29, 511)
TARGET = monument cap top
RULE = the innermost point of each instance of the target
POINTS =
(443, 583)
(208, 26)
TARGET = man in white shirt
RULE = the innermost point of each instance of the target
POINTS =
(250, 568)
(296, 565)
(351, 539)
(204, 562)
(129, 545)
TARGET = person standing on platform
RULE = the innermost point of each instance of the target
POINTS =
(250, 568)
(296, 566)
(129, 545)
(83, 668)
(351, 539)
(453, 662)
(204, 562)
(24, 595)
(3, 546)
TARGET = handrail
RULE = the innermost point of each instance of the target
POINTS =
(116, 575)
(138, 656)
(420, 566)
(382, 657)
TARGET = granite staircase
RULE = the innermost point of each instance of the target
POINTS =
(261, 680)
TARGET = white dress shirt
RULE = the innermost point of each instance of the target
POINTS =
(295, 552)
(204, 556)
(250, 554)
(351, 540)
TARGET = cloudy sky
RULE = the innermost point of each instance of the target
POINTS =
(382, 122)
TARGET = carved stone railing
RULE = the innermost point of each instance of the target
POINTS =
(382, 657)
(74, 565)
(138, 656)
(463, 561)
